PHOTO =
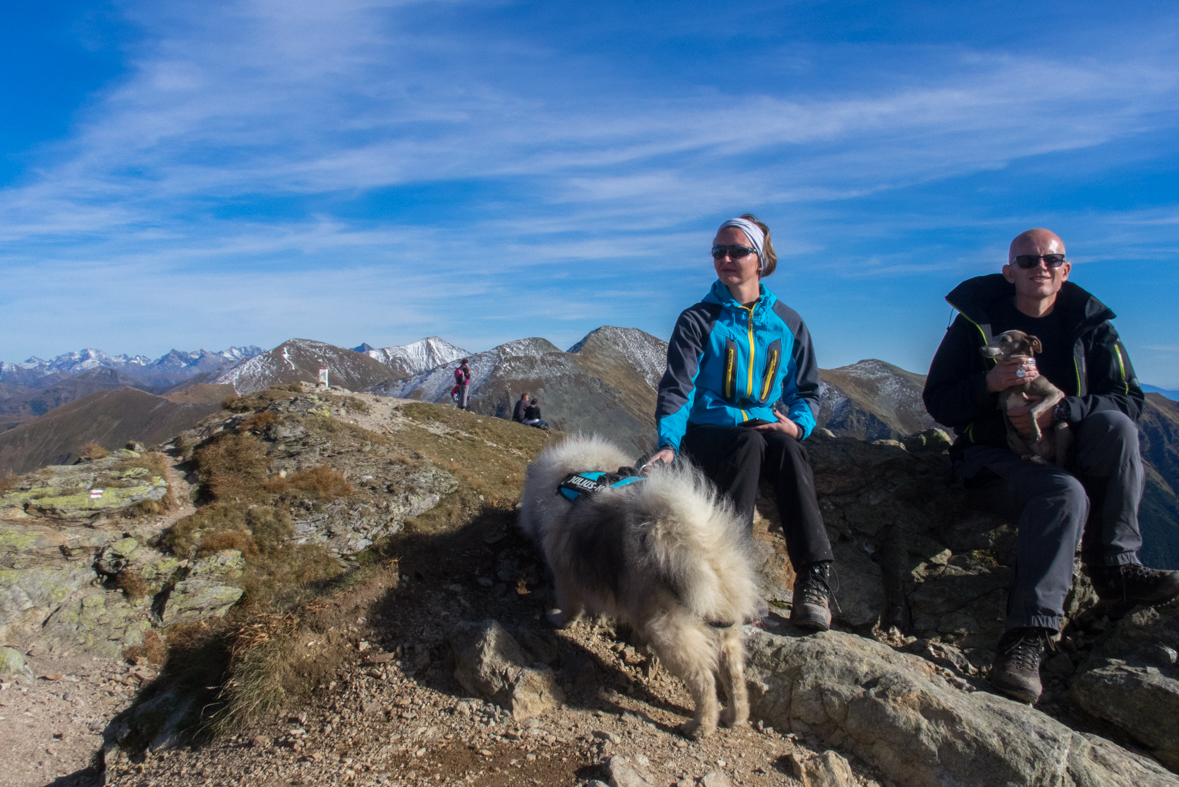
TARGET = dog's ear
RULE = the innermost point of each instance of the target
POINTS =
(1036, 346)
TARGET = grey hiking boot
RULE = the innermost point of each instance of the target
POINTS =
(1134, 584)
(1016, 671)
(812, 593)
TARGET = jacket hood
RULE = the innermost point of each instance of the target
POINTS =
(975, 299)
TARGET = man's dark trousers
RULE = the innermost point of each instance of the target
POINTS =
(1097, 502)
(736, 458)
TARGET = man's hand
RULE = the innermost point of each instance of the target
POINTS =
(1021, 418)
(783, 424)
(1006, 373)
(664, 456)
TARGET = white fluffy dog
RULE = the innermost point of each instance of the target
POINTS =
(664, 554)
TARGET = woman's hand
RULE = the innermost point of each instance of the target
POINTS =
(664, 456)
(784, 424)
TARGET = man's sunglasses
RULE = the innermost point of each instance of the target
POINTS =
(736, 252)
(1029, 261)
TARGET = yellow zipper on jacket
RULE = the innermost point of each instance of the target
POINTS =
(752, 351)
(1122, 368)
(771, 369)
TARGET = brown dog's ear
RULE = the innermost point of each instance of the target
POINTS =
(1036, 346)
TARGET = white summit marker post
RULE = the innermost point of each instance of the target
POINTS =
(323, 378)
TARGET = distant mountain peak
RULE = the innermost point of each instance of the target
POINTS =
(416, 357)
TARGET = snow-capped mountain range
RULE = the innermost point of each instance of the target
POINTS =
(169, 369)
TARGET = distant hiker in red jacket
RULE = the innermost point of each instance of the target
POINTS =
(462, 384)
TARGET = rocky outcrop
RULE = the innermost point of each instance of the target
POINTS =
(1131, 680)
(911, 550)
(490, 664)
(76, 573)
(896, 712)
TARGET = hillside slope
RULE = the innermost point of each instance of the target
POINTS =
(108, 418)
(32, 403)
(588, 391)
(299, 360)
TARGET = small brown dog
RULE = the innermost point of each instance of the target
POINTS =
(1040, 448)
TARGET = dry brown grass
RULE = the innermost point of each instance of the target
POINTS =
(220, 540)
(257, 422)
(320, 482)
(132, 585)
(93, 451)
(8, 483)
(153, 649)
(233, 467)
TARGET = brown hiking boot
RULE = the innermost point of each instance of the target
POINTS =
(1016, 671)
(812, 594)
(1135, 584)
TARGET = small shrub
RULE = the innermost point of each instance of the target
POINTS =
(93, 451)
(153, 650)
(132, 585)
(219, 540)
(181, 538)
(7, 483)
(271, 527)
(320, 482)
(233, 468)
(257, 422)
(352, 404)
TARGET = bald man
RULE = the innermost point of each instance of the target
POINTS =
(1094, 500)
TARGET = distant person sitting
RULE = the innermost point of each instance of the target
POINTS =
(462, 384)
(532, 415)
(521, 407)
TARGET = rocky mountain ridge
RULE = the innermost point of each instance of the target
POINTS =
(394, 671)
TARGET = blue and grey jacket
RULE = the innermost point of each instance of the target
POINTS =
(727, 363)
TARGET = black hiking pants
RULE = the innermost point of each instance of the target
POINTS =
(737, 458)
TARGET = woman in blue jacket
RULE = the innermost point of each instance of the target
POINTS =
(739, 396)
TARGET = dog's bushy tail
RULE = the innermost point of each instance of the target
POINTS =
(696, 545)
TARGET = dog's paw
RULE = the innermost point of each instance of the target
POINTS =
(697, 730)
(730, 717)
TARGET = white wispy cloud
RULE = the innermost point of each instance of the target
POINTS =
(264, 161)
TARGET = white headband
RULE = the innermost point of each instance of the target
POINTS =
(755, 235)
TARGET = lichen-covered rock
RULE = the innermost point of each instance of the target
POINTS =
(97, 622)
(346, 529)
(29, 595)
(206, 590)
(12, 662)
(84, 491)
(1132, 680)
(894, 711)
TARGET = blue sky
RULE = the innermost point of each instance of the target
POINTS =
(208, 174)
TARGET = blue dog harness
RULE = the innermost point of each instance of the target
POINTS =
(577, 484)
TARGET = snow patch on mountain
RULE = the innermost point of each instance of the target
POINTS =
(433, 385)
(416, 357)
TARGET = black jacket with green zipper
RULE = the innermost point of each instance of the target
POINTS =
(956, 389)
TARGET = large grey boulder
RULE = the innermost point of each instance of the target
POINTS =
(1132, 680)
(894, 711)
(490, 664)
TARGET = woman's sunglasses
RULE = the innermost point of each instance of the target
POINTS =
(736, 252)
(1029, 261)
